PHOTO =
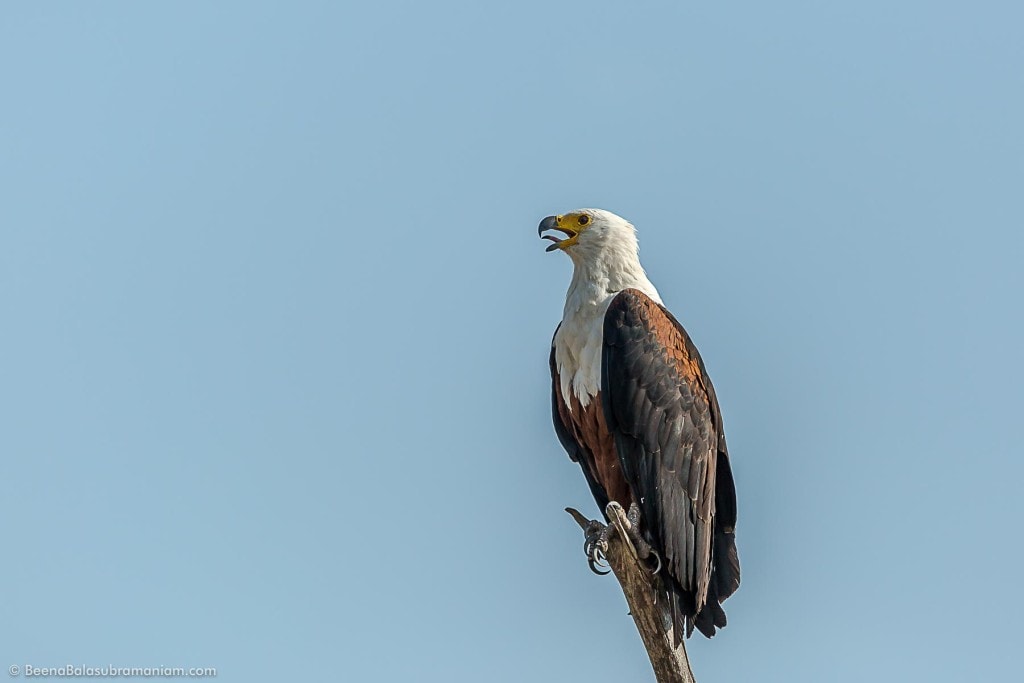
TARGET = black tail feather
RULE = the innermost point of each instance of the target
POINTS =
(725, 579)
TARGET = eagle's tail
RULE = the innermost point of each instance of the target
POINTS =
(681, 613)
(725, 562)
(725, 579)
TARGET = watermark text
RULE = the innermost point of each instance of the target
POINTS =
(109, 671)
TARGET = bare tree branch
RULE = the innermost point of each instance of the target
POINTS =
(670, 663)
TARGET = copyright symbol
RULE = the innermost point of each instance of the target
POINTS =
(14, 670)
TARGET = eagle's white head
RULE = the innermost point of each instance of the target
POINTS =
(592, 235)
(603, 248)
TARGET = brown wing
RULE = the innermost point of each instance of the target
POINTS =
(661, 407)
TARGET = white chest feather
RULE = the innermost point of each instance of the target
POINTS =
(578, 345)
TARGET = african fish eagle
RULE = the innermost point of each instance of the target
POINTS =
(633, 405)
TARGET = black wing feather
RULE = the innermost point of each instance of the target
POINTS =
(661, 407)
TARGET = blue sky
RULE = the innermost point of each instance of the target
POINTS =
(276, 323)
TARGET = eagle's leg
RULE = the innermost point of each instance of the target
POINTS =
(595, 539)
(595, 544)
(643, 548)
(629, 524)
(596, 534)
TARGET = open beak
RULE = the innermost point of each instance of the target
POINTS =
(552, 223)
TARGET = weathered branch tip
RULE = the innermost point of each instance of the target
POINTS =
(671, 665)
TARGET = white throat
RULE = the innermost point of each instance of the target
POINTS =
(596, 279)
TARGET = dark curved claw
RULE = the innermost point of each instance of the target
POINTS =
(658, 558)
(594, 564)
(595, 555)
(592, 548)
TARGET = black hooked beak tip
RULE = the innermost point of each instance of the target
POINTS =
(549, 223)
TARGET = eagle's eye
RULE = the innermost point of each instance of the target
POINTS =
(583, 220)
